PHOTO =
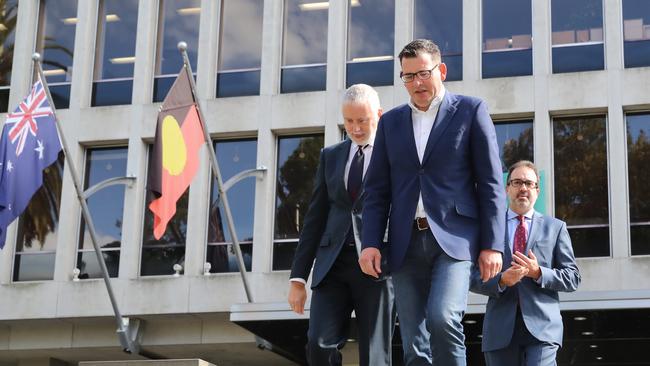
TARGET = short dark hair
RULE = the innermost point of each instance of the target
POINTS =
(418, 47)
(524, 163)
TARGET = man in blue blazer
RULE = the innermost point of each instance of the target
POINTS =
(522, 324)
(328, 237)
(436, 173)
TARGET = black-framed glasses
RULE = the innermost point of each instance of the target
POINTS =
(517, 183)
(422, 75)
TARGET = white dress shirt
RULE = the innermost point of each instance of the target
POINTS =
(422, 126)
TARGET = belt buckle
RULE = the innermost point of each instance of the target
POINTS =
(421, 223)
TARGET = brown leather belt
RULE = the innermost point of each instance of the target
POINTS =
(421, 223)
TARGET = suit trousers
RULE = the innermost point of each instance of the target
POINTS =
(431, 297)
(346, 288)
(524, 349)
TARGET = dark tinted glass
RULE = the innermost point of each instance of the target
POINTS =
(581, 189)
(179, 22)
(38, 228)
(303, 79)
(234, 157)
(442, 22)
(57, 26)
(577, 36)
(159, 256)
(636, 32)
(240, 49)
(8, 12)
(515, 139)
(297, 162)
(507, 38)
(638, 151)
(371, 34)
(106, 207)
(304, 45)
(115, 54)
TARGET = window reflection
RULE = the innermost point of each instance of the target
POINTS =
(240, 48)
(106, 207)
(234, 157)
(581, 189)
(8, 12)
(179, 21)
(37, 228)
(115, 54)
(636, 32)
(577, 36)
(57, 25)
(304, 54)
(159, 256)
(442, 22)
(507, 38)
(638, 151)
(371, 34)
(297, 162)
(515, 139)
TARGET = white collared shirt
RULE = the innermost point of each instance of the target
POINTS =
(367, 153)
(422, 126)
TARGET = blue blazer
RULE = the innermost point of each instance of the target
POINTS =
(539, 303)
(460, 179)
(328, 218)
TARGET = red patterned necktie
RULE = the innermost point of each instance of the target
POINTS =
(520, 236)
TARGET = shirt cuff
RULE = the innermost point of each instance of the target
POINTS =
(539, 280)
(298, 279)
(501, 289)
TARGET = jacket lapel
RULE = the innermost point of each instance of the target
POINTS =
(534, 231)
(342, 154)
(443, 119)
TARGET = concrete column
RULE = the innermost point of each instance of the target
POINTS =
(542, 129)
(404, 20)
(336, 61)
(145, 51)
(471, 40)
(206, 68)
(84, 54)
(616, 131)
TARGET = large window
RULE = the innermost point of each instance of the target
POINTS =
(442, 22)
(37, 228)
(507, 38)
(297, 162)
(304, 54)
(638, 153)
(160, 256)
(636, 32)
(234, 156)
(577, 36)
(178, 21)
(115, 52)
(106, 208)
(371, 45)
(57, 24)
(515, 139)
(581, 189)
(8, 12)
(240, 49)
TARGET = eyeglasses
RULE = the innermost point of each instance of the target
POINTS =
(422, 75)
(517, 183)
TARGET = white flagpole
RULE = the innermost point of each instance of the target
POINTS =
(182, 47)
(123, 330)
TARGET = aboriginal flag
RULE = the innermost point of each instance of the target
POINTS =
(175, 159)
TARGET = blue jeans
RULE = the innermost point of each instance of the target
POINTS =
(431, 297)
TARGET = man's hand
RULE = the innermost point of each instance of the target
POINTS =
(489, 262)
(370, 262)
(297, 297)
(512, 275)
(529, 262)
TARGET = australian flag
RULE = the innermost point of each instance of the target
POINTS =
(29, 144)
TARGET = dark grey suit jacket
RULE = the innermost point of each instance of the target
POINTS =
(329, 217)
(539, 303)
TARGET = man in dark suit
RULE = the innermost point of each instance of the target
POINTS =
(522, 324)
(328, 237)
(436, 173)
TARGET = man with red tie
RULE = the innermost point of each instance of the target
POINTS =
(522, 324)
